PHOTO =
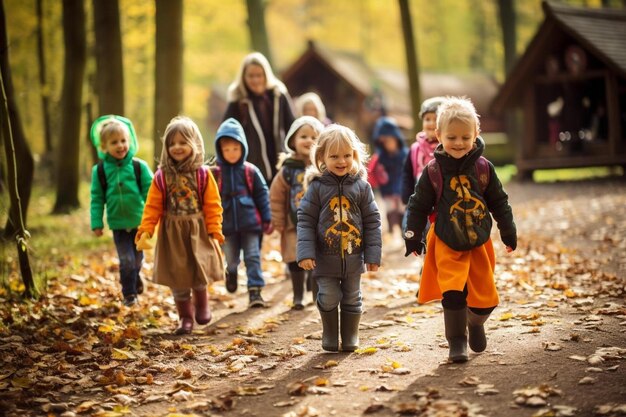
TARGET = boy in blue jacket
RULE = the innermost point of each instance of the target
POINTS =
(246, 204)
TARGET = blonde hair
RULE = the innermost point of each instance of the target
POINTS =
(189, 130)
(315, 100)
(457, 109)
(237, 89)
(111, 127)
(331, 138)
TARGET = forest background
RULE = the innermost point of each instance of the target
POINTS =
(451, 36)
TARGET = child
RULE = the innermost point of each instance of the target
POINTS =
(392, 151)
(310, 104)
(120, 182)
(460, 259)
(184, 201)
(286, 192)
(246, 208)
(339, 232)
(422, 151)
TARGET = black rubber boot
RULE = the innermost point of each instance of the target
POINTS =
(297, 282)
(476, 329)
(456, 333)
(350, 331)
(330, 329)
(231, 281)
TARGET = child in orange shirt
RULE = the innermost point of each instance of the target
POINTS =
(460, 260)
(184, 200)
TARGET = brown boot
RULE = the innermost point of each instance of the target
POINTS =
(201, 303)
(185, 314)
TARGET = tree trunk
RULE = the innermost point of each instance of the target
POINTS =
(108, 48)
(477, 57)
(168, 80)
(411, 63)
(74, 40)
(19, 174)
(506, 9)
(256, 25)
(45, 89)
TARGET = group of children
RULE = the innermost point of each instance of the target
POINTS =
(324, 209)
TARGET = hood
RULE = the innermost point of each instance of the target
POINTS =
(297, 124)
(388, 126)
(231, 128)
(99, 123)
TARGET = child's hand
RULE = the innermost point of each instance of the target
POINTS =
(268, 228)
(371, 267)
(97, 232)
(143, 241)
(307, 264)
(509, 249)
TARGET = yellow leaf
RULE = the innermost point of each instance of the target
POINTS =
(187, 346)
(366, 351)
(364, 388)
(85, 301)
(506, 316)
(22, 382)
(105, 328)
(121, 355)
(330, 364)
(570, 294)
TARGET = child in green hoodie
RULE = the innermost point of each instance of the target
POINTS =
(120, 182)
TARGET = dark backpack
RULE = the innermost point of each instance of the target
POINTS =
(466, 227)
(103, 178)
(436, 178)
(248, 168)
(201, 178)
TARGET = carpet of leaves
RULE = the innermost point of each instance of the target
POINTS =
(79, 351)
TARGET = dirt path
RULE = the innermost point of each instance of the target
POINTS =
(557, 342)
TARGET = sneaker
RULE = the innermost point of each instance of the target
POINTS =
(130, 300)
(139, 286)
(254, 294)
(231, 281)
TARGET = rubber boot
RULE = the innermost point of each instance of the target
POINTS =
(231, 281)
(350, 331)
(476, 329)
(297, 281)
(456, 333)
(201, 303)
(185, 314)
(330, 329)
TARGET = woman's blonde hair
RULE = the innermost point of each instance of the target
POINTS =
(189, 130)
(110, 127)
(237, 89)
(457, 109)
(333, 137)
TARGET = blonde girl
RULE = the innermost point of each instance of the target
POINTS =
(339, 233)
(184, 200)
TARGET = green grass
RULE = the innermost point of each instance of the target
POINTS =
(507, 172)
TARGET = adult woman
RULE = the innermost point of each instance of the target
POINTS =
(261, 103)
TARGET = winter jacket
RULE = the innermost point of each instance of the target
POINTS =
(392, 163)
(420, 153)
(339, 225)
(459, 176)
(264, 142)
(124, 199)
(286, 192)
(243, 211)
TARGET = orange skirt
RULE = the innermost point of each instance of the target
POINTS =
(446, 269)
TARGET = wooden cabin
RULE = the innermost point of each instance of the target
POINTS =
(570, 85)
(355, 94)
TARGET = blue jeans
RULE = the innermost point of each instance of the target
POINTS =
(334, 291)
(130, 260)
(250, 244)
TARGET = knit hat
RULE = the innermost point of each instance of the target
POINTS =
(297, 124)
(430, 105)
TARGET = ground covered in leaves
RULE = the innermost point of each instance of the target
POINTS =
(557, 342)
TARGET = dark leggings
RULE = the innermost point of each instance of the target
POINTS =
(456, 300)
(293, 267)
